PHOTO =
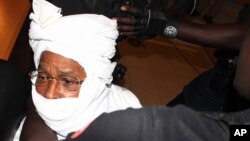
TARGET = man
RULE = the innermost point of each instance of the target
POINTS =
(72, 81)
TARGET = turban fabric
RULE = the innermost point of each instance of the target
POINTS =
(88, 39)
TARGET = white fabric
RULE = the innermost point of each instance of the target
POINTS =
(45, 12)
(90, 40)
(19, 130)
(86, 38)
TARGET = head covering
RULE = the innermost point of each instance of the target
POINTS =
(88, 39)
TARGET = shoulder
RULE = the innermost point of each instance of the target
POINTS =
(124, 97)
(122, 92)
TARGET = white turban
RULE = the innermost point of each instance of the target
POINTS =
(88, 39)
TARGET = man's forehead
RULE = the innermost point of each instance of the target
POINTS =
(50, 59)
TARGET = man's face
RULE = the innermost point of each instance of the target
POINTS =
(58, 77)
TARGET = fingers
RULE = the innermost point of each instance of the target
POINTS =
(131, 21)
(136, 33)
(129, 31)
(126, 33)
(125, 28)
(131, 25)
(131, 10)
(128, 28)
(126, 20)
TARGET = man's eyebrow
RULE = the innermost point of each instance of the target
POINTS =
(61, 70)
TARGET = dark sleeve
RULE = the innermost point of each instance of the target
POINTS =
(152, 124)
(70, 7)
(242, 77)
(121, 125)
(14, 92)
(34, 128)
(104, 7)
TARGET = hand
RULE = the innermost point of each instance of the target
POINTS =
(135, 23)
(142, 22)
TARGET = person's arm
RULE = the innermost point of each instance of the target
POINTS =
(228, 36)
(34, 128)
(242, 77)
(142, 15)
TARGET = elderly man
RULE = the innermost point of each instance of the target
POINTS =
(72, 80)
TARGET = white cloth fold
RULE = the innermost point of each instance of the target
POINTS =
(45, 14)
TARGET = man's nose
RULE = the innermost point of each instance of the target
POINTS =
(53, 90)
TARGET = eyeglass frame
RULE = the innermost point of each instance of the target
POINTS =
(34, 74)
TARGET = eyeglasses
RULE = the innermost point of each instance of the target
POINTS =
(41, 80)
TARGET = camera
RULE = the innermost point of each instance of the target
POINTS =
(118, 73)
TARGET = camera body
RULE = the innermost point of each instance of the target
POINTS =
(118, 73)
